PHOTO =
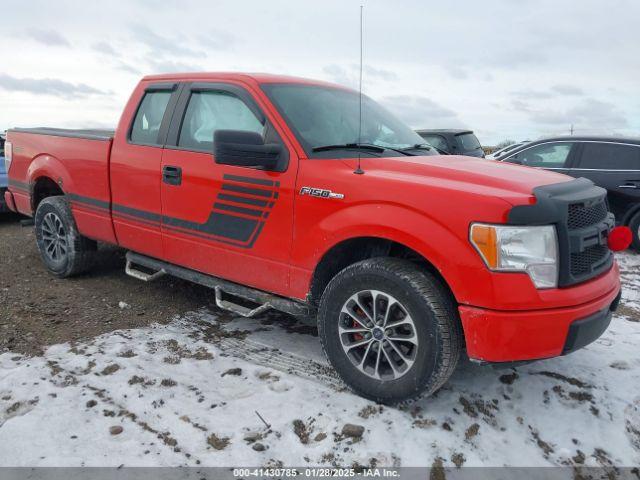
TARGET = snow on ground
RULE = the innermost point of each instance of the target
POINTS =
(189, 393)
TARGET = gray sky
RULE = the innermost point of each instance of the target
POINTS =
(513, 69)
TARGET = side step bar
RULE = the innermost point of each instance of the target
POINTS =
(264, 300)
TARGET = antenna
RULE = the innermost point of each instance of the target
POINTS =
(359, 171)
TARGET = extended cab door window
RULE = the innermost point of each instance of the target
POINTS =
(546, 155)
(145, 129)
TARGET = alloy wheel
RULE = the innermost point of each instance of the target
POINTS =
(378, 335)
(54, 237)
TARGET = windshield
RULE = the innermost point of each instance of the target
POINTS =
(322, 116)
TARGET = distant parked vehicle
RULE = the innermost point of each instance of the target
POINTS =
(503, 151)
(453, 142)
(610, 162)
(4, 178)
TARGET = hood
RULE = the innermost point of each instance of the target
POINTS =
(513, 183)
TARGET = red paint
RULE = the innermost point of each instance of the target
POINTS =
(424, 203)
(620, 238)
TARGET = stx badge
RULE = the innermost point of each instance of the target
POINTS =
(320, 193)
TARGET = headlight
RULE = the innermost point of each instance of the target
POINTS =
(533, 250)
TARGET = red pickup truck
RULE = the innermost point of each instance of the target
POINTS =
(276, 193)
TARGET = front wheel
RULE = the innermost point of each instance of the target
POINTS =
(390, 330)
(63, 250)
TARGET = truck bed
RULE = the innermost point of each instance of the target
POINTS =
(77, 160)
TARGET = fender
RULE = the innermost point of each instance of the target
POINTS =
(45, 165)
(436, 242)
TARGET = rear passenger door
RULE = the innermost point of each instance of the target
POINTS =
(135, 160)
(228, 221)
(613, 166)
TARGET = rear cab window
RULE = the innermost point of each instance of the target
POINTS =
(609, 156)
(468, 142)
(437, 141)
(145, 129)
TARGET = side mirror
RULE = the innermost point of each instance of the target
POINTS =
(244, 149)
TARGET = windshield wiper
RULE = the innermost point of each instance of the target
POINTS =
(349, 146)
(419, 146)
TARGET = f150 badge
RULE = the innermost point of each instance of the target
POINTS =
(320, 193)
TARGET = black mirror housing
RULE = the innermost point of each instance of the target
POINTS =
(245, 149)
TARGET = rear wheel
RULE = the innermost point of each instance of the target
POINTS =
(390, 330)
(63, 250)
(634, 225)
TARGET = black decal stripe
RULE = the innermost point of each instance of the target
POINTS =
(231, 228)
(220, 224)
(247, 201)
(254, 181)
(89, 208)
(122, 217)
(255, 235)
(233, 208)
(18, 185)
(249, 191)
(206, 236)
(88, 200)
(134, 212)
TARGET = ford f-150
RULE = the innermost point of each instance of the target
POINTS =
(277, 193)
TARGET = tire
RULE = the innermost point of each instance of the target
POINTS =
(424, 312)
(634, 225)
(64, 251)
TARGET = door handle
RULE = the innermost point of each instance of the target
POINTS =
(172, 175)
(630, 185)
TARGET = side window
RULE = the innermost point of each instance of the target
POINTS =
(610, 156)
(437, 141)
(211, 111)
(546, 155)
(146, 125)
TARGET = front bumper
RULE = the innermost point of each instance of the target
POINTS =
(511, 336)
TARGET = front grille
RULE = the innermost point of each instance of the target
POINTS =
(581, 216)
(592, 258)
(578, 209)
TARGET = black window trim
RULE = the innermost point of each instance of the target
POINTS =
(175, 90)
(182, 103)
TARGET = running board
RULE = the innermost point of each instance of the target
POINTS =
(263, 300)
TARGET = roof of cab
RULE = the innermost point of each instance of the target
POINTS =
(239, 76)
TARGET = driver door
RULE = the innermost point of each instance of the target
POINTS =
(228, 221)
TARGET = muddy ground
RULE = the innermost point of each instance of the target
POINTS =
(37, 309)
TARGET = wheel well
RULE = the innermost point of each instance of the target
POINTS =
(43, 188)
(630, 215)
(355, 250)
